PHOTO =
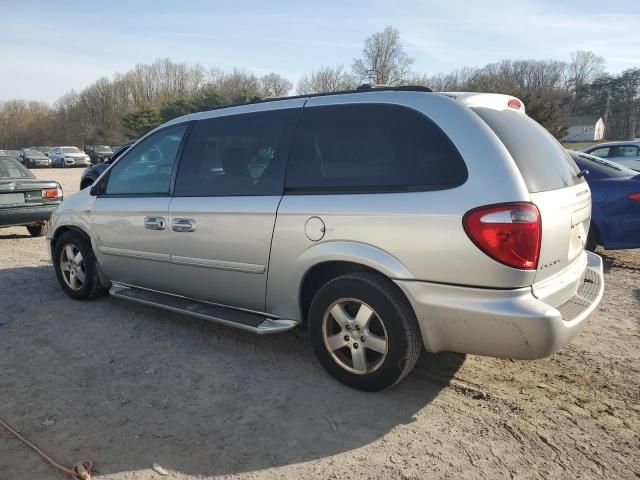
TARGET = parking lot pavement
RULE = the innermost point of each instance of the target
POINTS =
(128, 386)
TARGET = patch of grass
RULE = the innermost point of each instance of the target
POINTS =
(579, 145)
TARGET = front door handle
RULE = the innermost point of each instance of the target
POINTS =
(183, 224)
(154, 223)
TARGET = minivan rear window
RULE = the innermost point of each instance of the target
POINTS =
(543, 163)
(362, 148)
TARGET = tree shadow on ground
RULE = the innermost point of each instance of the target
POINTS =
(128, 386)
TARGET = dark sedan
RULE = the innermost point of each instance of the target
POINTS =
(615, 197)
(91, 174)
(24, 199)
(32, 158)
(98, 153)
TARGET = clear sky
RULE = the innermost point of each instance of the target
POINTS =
(49, 47)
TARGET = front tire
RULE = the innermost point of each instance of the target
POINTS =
(76, 267)
(364, 332)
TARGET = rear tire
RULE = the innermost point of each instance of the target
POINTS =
(76, 267)
(38, 230)
(371, 355)
(593, 239)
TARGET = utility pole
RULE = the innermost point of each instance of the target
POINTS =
(605, 114)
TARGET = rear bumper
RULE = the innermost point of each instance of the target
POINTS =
(16, 216)
(502, 323)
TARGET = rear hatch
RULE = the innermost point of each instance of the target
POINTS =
(563, 198)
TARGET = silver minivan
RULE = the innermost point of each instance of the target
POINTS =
(384, 220)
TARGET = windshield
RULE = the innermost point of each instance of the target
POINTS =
(102, 149)
(9, 168)
(70, 150)
(34, 153)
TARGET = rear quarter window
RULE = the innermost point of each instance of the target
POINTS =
(543, 163)
(363, 148)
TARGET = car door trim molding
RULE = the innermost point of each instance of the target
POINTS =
(218, 264)
(122, 252)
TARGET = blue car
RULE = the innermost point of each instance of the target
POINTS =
(615, 192)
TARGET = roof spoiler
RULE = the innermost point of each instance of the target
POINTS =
(496, 101)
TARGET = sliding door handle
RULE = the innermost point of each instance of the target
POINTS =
(154, 223)
(183, 225)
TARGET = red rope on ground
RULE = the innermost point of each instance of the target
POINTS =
(80, 471)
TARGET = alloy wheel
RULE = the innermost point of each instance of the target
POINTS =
(72, 266)
(355, 336)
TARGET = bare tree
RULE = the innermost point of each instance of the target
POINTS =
(239, 83)
(326, 79)
(274, 85)
(384, 60)
(584, 68)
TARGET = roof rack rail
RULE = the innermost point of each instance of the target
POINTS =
(365, 87)
(399, 88)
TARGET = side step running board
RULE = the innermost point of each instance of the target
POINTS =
(252, 322)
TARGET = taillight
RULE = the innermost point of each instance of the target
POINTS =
(635, 196)
(509, 233)
(51, 193)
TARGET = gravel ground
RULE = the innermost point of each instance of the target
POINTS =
(128, 386)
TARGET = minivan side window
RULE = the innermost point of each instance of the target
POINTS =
(236, 155)
(361, 148)
(147, 167)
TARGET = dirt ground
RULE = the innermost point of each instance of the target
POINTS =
(128, 386)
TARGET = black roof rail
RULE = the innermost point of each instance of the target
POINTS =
(365, 87)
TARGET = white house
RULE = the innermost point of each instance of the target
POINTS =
(583, 129)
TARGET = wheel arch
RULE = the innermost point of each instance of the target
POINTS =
(344, 260)
(65, 228)
(74, 228)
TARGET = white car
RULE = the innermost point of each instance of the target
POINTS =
(68, 157)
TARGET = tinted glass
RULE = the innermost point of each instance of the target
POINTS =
(599, 168)
(542, 161)
(10, 168)
(237, 155)
(371, 147)
(627, 151)
(33, 153)
(147, 167)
